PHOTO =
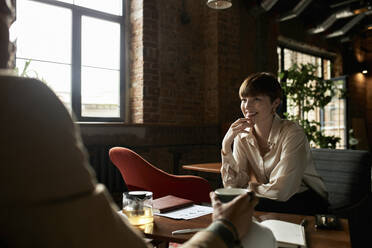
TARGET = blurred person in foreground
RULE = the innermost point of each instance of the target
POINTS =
(49, 194)
(271, 156)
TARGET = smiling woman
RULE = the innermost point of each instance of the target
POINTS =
(271, 156)
(76, 47)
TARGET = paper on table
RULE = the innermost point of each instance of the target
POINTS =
(188, 213)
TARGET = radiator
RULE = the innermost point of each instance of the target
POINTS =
(106, 172)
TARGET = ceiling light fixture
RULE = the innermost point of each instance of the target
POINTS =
(219, 4)
(342, 3)
(268, 4)
(296, 10)
(348, 25)
(330, 20)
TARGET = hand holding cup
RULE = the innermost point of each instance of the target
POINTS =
(237, 208)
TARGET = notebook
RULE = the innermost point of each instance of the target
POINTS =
(287, 234)
(169, 203)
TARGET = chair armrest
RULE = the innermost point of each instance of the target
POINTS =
(348, 208)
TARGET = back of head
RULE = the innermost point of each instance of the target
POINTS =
(261, 83)
(42, 156)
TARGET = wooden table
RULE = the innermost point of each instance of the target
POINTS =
(315, 238)
(204, 167)
(162, 229)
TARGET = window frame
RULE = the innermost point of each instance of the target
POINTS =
(77, 13)
(344, 78)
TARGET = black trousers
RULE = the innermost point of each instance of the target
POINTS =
(306, 203)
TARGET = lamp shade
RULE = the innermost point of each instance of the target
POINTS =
(219, 4)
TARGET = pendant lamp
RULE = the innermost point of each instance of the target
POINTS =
(219, 4)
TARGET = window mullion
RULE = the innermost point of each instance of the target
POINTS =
(123, 99)
(321, 110)
(76, 63)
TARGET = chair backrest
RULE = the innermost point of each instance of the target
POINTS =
(139, 174)
(346, 174)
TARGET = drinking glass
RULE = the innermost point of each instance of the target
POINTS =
(137, 206)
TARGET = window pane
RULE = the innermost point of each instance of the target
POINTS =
(109, 6)
(44, 37)
(288, 58)
(43, 33)
(278, 51)
(56, 76)
(291, 57)
(327, 68)
(100, 43)
(334, 117)
(100, 90)
(334, 113)
(318, 63)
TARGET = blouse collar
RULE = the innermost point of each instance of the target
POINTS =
(275, 130)
(273, 136)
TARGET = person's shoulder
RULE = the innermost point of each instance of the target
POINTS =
(23, 81)
(289, 127)
(22, 84)
(17, 79)
(37, 99)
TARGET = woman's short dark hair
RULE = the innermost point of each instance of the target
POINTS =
(261, 83)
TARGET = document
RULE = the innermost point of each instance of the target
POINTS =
(187, 213)
(287, 234)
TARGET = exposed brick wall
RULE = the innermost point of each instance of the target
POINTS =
(360, 103)
(194, 59)
(357, 95)
(369, 105)
(151, 52)
(337, 66)
(173, 65)
(229, 67)
(246, 44)
(136, 63)
(211, 77)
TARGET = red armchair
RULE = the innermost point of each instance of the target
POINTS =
(139, 174)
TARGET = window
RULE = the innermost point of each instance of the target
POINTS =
(75, 47)
(333, 117)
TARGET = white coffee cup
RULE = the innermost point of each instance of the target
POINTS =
(227, 194)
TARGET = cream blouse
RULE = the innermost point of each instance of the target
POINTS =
(286, 169)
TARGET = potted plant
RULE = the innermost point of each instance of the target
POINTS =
(305, 92)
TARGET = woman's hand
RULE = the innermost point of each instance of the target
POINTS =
(239, 211)
(237, 127)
